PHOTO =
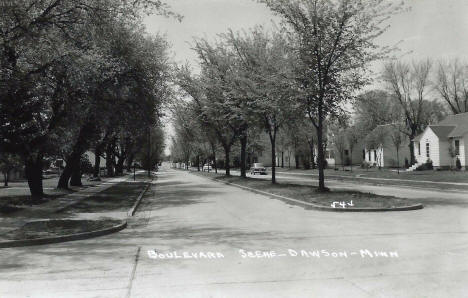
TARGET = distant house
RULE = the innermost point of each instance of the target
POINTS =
(380, 150)
(356, 156)
(436, 140)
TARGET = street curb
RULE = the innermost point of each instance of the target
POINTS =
(64, 238)
(319, 207)
(132, 211)
(78, 236)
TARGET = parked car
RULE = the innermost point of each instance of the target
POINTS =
(258, 168)
(207, 168)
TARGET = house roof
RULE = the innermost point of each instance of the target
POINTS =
(460, 121)
(452, 126)
(442, 131)
(384, 130)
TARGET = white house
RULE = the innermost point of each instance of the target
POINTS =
(436, 140)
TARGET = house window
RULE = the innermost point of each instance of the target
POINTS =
(457, 147)
(427, 150)
(419, 148)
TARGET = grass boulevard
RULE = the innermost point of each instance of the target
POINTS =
(335, 199)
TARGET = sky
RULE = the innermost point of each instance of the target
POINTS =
(435, 29)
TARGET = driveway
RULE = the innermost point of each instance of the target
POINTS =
(207, 239)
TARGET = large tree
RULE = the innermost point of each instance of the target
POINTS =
(265, 81)
(334, 41)
(48, 52)
(411, 87)
(452, 85)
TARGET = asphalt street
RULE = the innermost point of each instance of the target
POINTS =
(193, 237)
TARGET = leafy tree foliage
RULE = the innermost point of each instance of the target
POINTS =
(334, 42)
(65, 64)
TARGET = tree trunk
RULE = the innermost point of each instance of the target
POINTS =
(282, 159)
(214, 161)
(411, 148)
(5, 179)
(398, 161)
(198, 162)
(33, 170)
(351, 159)
(74, 158)
(71, 162)
(243, 141)
(76, 174)
(227, 150)
(273, 157)
(321, 153)
(296, 159)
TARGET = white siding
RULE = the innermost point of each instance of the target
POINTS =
(421, 155)
(429, 137)
(464, 150)
(444, 153)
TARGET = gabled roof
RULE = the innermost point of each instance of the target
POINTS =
(442, 131)
(452, 126)
(386, 130)
(460, 121)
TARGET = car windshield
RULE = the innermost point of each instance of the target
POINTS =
(258, 165)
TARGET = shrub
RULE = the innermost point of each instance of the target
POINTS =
(365, 165)
(429, 165)
(406, 163)
(425, 166)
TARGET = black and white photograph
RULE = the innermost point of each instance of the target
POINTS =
(233, 148)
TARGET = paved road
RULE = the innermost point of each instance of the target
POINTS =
(190, 214)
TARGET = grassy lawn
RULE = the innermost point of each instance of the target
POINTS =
(436, 176)
(119, 197)
(411, 179)
(52, 228)
(348, 199)
(17, 195)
